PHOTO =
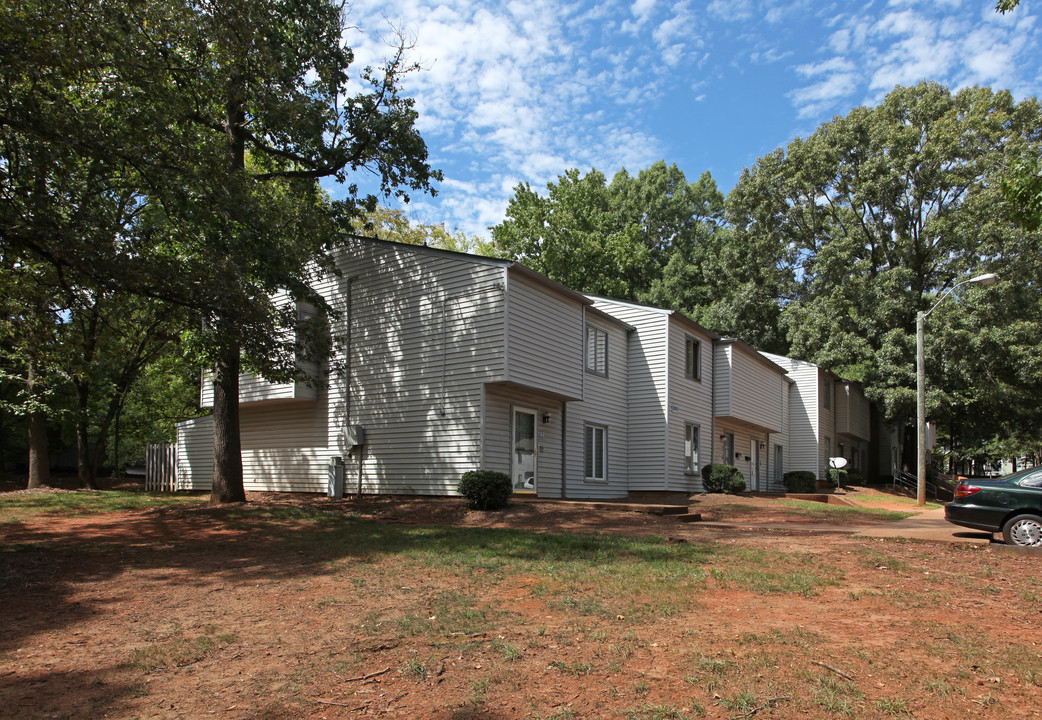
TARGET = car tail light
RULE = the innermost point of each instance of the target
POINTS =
(963, 490)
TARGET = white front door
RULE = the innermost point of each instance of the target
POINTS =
(523, 464)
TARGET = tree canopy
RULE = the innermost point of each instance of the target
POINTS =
(614, 238)
(878, 213)
(171, 150)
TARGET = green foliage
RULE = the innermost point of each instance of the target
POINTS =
(720, 478)
(800, 481)
(485, 489)
(175, 156)
(838, 477)
(873, 217)
(614, 238)
(391, 224)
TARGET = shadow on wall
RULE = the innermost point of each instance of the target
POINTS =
(418, 338)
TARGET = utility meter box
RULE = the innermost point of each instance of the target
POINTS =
(354, 435)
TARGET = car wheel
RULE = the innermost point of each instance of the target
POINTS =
(1023, 530)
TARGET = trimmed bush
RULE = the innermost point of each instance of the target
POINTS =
(485, 489)
(838, 477)
(800, 481)
(719, 478)
(855, 478)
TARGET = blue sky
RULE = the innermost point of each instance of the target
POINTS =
(516, 92)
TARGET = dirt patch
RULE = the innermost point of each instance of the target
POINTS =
(268, 612)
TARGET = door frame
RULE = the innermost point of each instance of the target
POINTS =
(514, 410)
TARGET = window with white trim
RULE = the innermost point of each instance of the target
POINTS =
(693, 359)
(691, 442)
(596, 350)
(596, 453)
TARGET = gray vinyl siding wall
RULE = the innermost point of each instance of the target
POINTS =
(425, 335)
(195, 454)
(253, 388)
(748, 390)
(826, 422)
(690, 401)
(286, 446)
(647, 392)
(500, 402)
(804, 415)
(604, 404)
(782, 439)
(852, 412)
(544, 338)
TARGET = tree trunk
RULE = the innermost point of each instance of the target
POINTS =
(39, 464)
(227, 452)
(85, 465)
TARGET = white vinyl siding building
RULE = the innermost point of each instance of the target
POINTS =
(749, 394)
(827, 418)
(451, 362)
(663, 398)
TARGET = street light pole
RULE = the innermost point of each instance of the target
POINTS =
(920, 381)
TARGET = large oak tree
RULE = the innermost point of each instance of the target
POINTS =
(194, 134)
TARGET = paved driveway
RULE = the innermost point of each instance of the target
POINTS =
(928, 525)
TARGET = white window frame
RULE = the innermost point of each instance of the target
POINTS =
(692, 358)
(595, 447)
(729, 448)
(596, 350)
(692, 442)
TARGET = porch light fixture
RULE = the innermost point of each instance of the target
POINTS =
(546, 418)
(920, 379)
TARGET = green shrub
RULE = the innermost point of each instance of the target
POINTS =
(485, 489)
(855, 478)
(800, 481)
(718, 478)
(838, 477)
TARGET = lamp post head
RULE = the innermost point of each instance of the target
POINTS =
(986, 279)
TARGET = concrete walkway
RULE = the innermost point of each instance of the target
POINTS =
(928, 525)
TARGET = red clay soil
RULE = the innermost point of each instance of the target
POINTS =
(193, 613)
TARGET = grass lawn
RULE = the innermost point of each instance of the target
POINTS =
(124, 606)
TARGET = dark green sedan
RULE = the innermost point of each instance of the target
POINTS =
(1011, 504)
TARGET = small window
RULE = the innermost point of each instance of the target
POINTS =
(826, 394)
(729, 449)
(596, 350)
(693, 359)
(596, 454)
(691, 450)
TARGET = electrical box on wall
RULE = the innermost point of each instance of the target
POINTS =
(354, 435)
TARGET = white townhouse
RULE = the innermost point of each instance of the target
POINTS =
(828, 417)
(696, 398)
(445, 362)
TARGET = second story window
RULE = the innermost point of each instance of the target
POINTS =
(596, 350)
(826, 394)
(693, 359)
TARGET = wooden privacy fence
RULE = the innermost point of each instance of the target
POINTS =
(161, 467)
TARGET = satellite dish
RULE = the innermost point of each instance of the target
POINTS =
(837, 463)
